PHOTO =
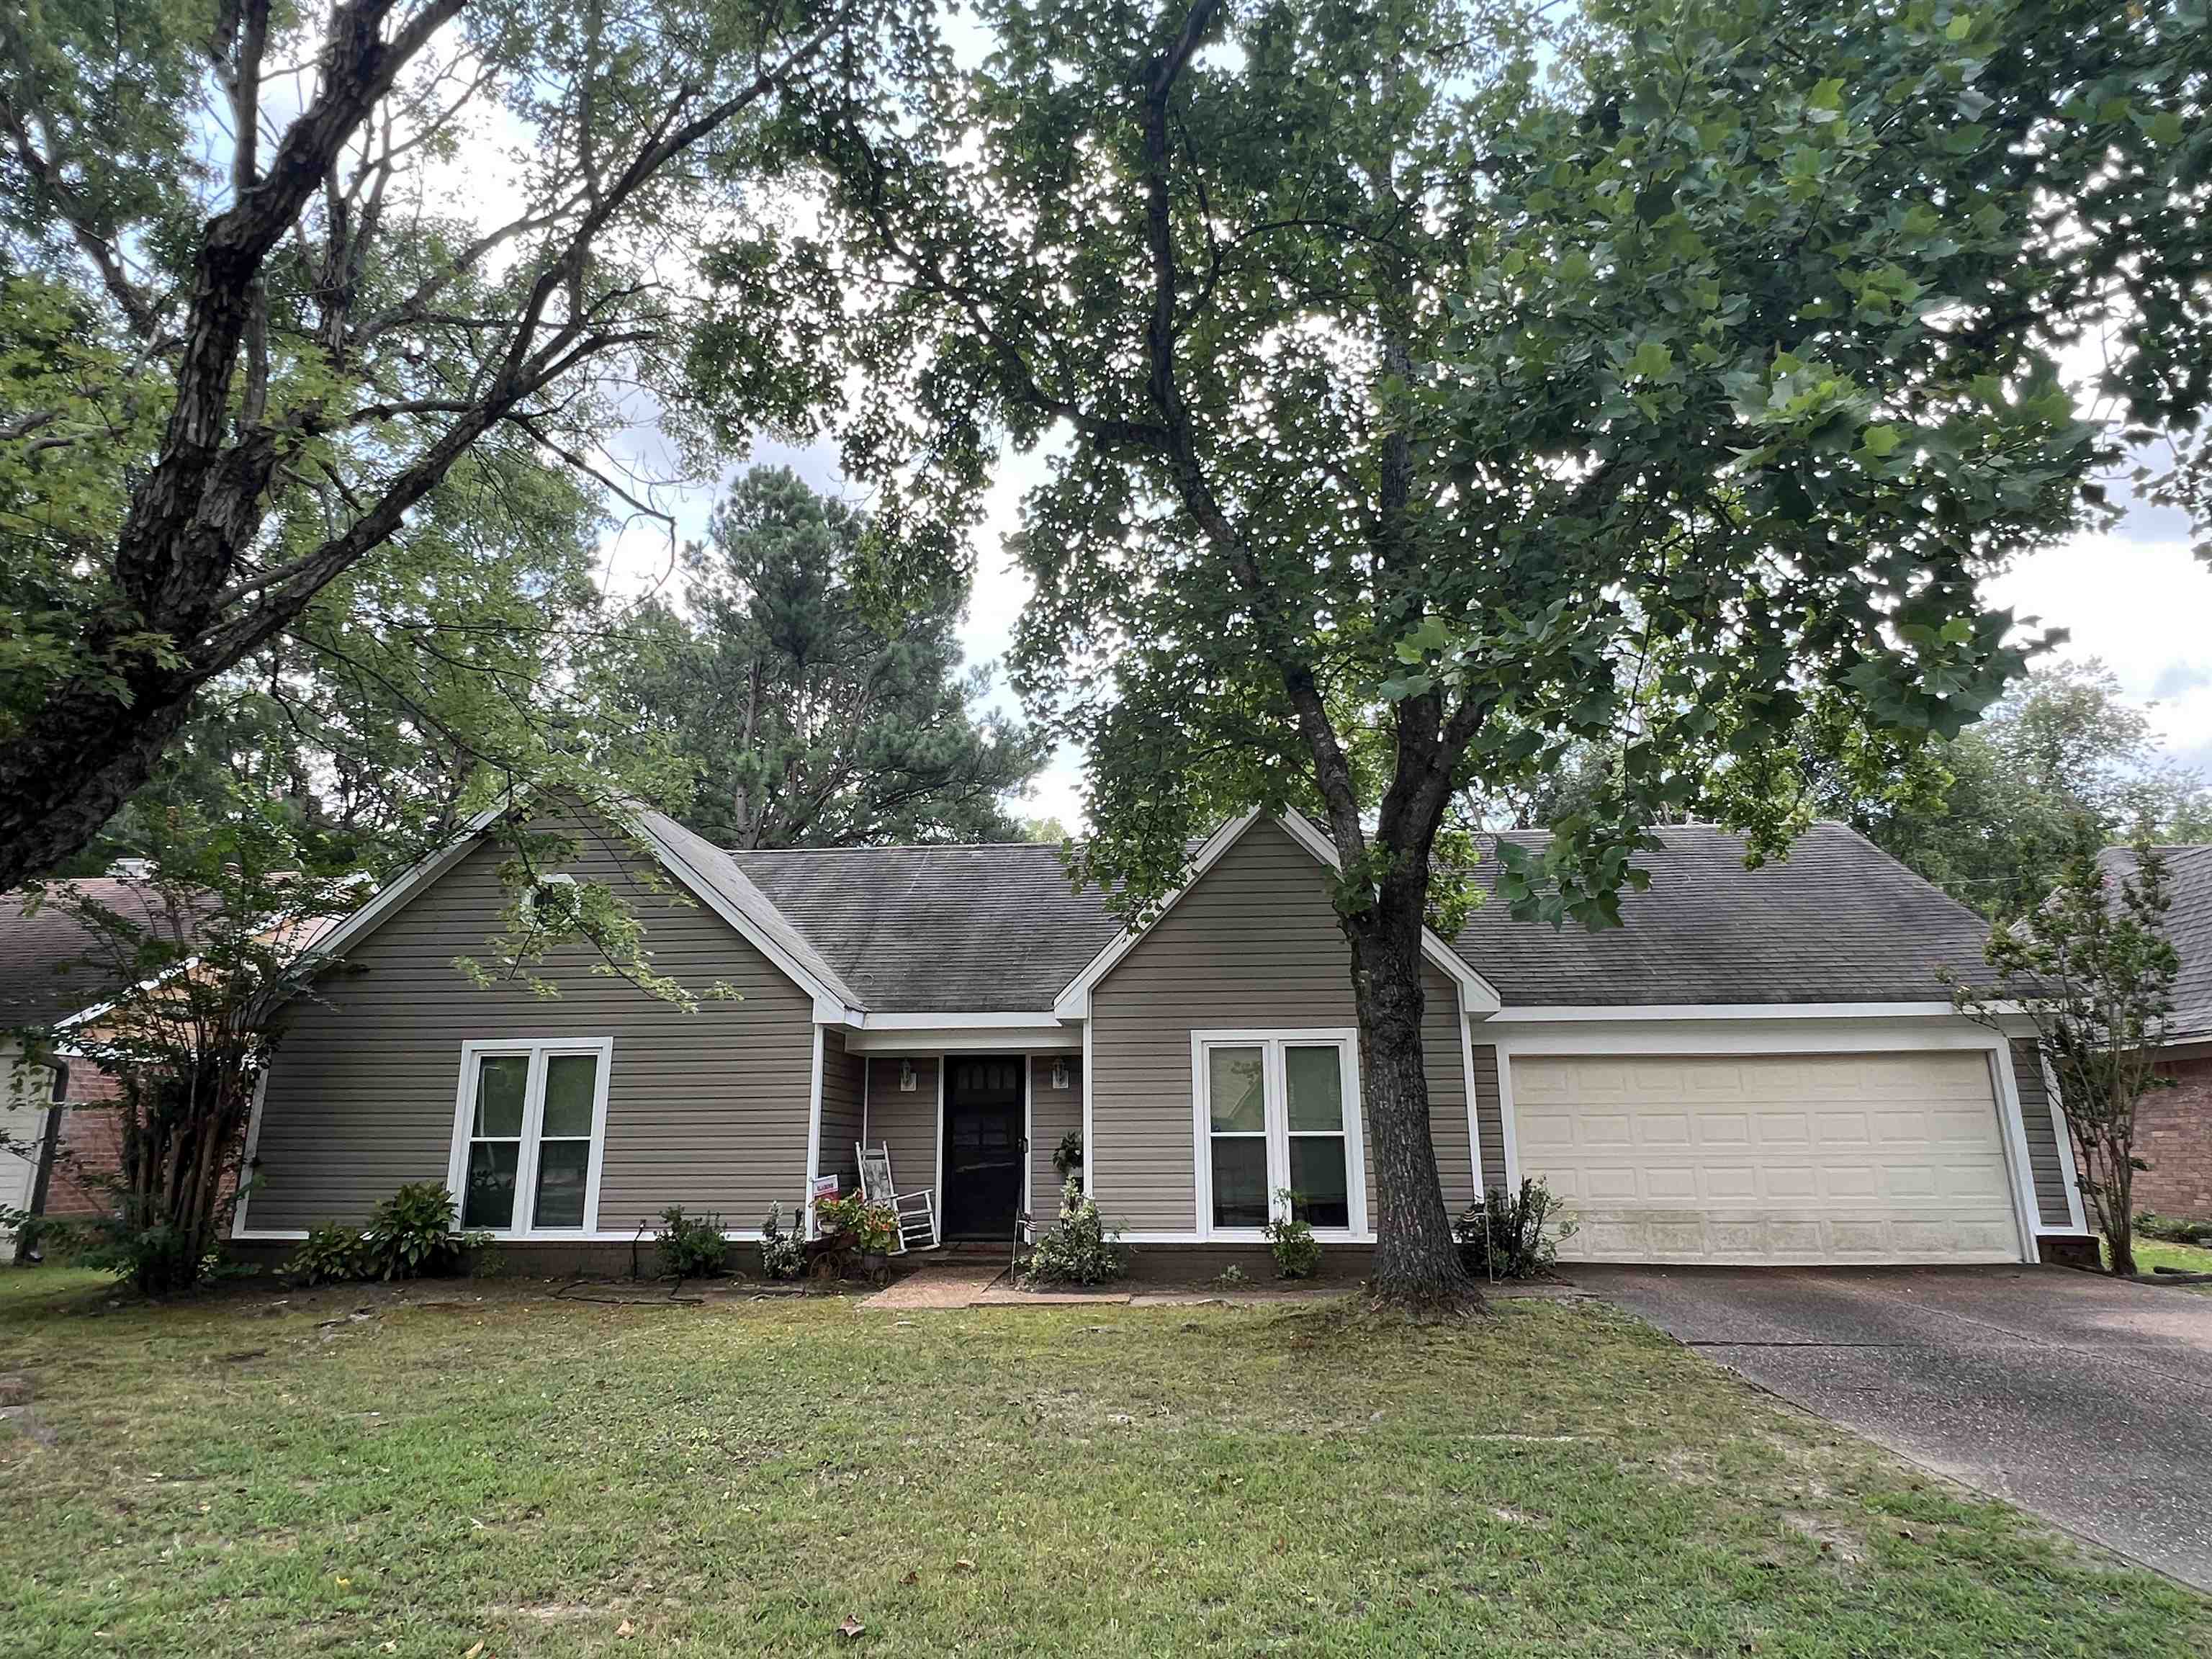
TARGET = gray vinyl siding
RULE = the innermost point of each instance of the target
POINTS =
(2042, 1134)
(907, 1123)
(706, 1109)
(1253, 944)
(843, 1114)
(1052, 1113)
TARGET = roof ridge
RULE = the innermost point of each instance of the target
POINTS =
(891, 846)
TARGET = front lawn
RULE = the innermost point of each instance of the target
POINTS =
(365, 1471)
(2152, 1254)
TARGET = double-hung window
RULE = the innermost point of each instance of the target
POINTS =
(1277, 1111)
(528, 1132)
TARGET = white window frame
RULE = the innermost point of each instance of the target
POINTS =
(1271, 1042)
(538, 1050)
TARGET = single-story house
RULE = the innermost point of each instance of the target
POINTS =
(1759, 1068)
(2173, 1127)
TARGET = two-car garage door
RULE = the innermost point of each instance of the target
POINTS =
(1771, 1157)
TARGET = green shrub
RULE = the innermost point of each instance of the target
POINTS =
(1296, 1251)
(331, 1255)
(1230, 1278)
(412, 1233)
(1510, 1235)
(783, 1254)
(691, 1246)
(2173, 1229)
(1077, 1248)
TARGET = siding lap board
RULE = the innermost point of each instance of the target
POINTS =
(905, 1122)
(1253, 945)
(1052, 1113)
(2050, 1203)
(843, 1115)
(707, 1109)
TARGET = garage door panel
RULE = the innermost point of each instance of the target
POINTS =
(1829, 1159)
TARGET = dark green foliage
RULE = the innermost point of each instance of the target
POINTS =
(1067, 1156)
(1511, 1235)
(692, 1246)
(2174, 1229)
(330, 1254)
(411, 1234)
(806, 717)
(1077, 1248)
(1292, 1241)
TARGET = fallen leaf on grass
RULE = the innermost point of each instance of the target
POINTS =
(625, 1628)
(912, 1577)
(851, 1629)
(474, 1652)
(963, 1564)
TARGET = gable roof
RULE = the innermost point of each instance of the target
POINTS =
(1838, 921)
(44, 975)
(2188, 925)
(983, 929)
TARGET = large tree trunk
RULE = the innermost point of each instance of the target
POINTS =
(1417, 1266)
(81, 756)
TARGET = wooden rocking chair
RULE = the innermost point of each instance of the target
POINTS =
(917, 1211)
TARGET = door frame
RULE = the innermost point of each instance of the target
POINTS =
(945, 1061)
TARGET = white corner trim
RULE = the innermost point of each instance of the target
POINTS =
(2012, 1123)
(2076, 1212)
(814, 1116)
(1028, 1130)
(1074, 1002)
(238, 1227)
(1090, 1142)
(1507, 1132)
(1474, 1103)
(538, 1050)
(937, 1186)
(1271, 1041)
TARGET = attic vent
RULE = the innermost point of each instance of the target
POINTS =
(130, 869)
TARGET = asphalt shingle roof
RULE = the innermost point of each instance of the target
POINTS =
(2188, 925)
(1838, 921)
(43, 973)
(996, 929)
(990, 929)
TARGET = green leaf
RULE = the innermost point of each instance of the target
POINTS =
(1652, 360)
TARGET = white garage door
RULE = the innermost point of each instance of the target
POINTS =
(1771, 1158)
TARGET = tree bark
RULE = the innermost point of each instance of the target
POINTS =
(1417, 1266)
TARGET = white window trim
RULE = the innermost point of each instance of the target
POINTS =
(1346, 1040)
(526, 1171)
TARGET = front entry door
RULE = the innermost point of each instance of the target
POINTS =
(984, 1145)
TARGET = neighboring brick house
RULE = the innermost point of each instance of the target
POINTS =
(44, 977)
(2174, 1129)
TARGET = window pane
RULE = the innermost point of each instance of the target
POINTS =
(489, 1199)
(1240, 1183)
(571, 1080)
(1317, 1176)
(1315, 1078)
(562, 1167)
(502, 1081)
(1235, 1091)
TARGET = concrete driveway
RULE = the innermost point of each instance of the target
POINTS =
(2086, 1401)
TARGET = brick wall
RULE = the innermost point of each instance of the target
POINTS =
(2173, 1135)
(93, 1138)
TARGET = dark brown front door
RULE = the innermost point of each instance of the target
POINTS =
(984, 1145)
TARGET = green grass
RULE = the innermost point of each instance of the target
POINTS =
(238, 1476)
(2152, 1254)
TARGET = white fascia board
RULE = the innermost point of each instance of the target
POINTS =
(1595, 1014)
(1050, 1037)
(1021, 1020)
(1723, 1036)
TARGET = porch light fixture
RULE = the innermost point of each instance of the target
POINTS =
(906, 1077)
(1060, 1074)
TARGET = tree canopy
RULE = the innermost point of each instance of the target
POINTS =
(807, 717)
(1430, 390)
(318, 326)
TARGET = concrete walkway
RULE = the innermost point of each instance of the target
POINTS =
(2085, 1400)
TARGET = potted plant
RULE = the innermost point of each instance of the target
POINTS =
(856, 1229)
